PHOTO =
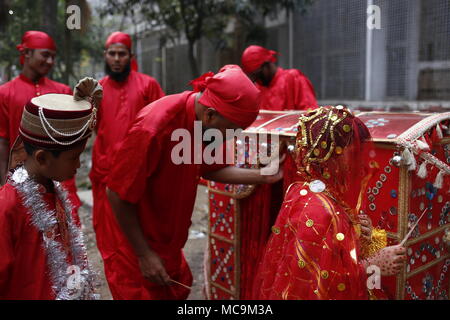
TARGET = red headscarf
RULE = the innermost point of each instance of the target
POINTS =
(254, 57)
(35, 40)
(125, 39)
(231, 93)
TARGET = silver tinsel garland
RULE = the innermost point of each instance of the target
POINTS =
(44, 220)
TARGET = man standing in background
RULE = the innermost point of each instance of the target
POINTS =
(125, 93)
(37, 56)
(281, 89)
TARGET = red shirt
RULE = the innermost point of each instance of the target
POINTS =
(120, 104)
(13, 97)
(24, 272)
(289, 89)
(143, 173)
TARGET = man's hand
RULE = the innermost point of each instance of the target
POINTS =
(152, 268)
(366, 226)
(390, 260)
(150, 263)
(237, 175)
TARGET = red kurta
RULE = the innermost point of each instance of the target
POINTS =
(312, 253)
(143, 173)
(24, 272)
(13, 97)
(120, 104)
(289, 89)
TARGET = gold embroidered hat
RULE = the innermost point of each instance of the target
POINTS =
(58, 121)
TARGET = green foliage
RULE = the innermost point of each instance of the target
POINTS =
(203, 18)
(74, 47)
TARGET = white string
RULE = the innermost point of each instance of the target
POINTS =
(41, 117)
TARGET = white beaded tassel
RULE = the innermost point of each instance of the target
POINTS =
(422, 145)
(409, 159)
(422, 173)
(439, 131)
(439, 179)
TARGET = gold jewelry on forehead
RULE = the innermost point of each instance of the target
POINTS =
(307, 141)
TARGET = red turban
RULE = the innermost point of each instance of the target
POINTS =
(35, 40)
(255, 56)
(231, 93)
(125, 39)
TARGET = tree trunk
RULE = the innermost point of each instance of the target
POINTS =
(49, 17)
(67, 50)
(192, 60)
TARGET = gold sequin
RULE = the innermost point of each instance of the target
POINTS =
(340, 236)
(324, 274)
(373, 164)
(334, 117)
(324, 144)
(309, 223)
(301, 264)
(338, 150)
(316, 291)
(316, 152)
(346, 128)
(303, 192)
(326, 175)
(276, 230)
(341, 286)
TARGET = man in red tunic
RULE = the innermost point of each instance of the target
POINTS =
(42, 251)
(126, 92)
(37, 55)
(280, 89)
(153, 196)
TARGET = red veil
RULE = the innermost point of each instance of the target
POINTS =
(335, 146)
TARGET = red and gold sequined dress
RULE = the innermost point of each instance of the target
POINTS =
(313, 251)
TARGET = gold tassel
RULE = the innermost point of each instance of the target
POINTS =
(378, 242)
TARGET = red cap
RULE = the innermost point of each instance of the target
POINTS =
(125, 39)
(255, 56)
(35, 40)
(231, 93)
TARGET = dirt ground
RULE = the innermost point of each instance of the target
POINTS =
(194, 249)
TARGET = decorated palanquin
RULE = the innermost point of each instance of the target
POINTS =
(412, 154)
